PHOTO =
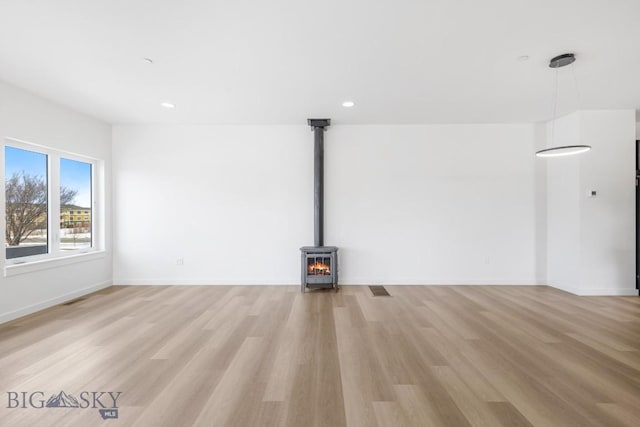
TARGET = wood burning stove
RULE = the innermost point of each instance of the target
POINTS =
(319, 267)
(319, 262)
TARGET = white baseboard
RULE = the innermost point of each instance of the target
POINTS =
(445, 283)
(187, 282)
(12, 315)
(604, 292)
(609, 292)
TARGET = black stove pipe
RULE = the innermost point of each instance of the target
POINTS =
(318, 126)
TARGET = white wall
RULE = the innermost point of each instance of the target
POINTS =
(432, 204)
(563, 207)
(405, 204)
(234, 202)
(540, 190)
(30, 118)
(608, 220)
(591, 240)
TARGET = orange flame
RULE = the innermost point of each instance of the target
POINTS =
(318, 268)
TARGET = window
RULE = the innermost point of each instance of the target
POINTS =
(75, 191)
(49, 203)
(26, 203)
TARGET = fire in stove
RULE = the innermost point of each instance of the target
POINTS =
(319, 267)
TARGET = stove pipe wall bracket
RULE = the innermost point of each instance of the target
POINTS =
(318, 126)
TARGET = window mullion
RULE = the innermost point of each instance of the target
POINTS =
(54, 204)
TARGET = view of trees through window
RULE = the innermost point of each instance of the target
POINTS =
(27, 204)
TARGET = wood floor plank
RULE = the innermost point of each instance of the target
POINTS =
(478, 413)
(627, 416)
(271, 356)
(507, 415)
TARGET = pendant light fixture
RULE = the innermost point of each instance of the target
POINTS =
(562, 150)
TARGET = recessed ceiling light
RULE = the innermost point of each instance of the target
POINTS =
(168, 105)
(523, 58)
(148, 60)
(348, 104)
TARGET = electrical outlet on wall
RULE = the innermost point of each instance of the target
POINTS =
(180, 261)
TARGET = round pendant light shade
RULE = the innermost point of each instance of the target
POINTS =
(562, 150)
(565, 150)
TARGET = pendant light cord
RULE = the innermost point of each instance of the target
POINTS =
(564, 150)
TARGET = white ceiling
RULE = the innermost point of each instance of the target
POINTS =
(281, 61)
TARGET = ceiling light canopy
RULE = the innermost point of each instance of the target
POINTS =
(168, 105)
(558, 62)
(562, 60)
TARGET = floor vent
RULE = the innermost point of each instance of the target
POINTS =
(379, 291)
(73, 301)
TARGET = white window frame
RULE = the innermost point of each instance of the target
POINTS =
(55, 256)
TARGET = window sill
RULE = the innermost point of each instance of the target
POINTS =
(45, 264)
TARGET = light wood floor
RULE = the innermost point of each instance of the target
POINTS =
(268, 355)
